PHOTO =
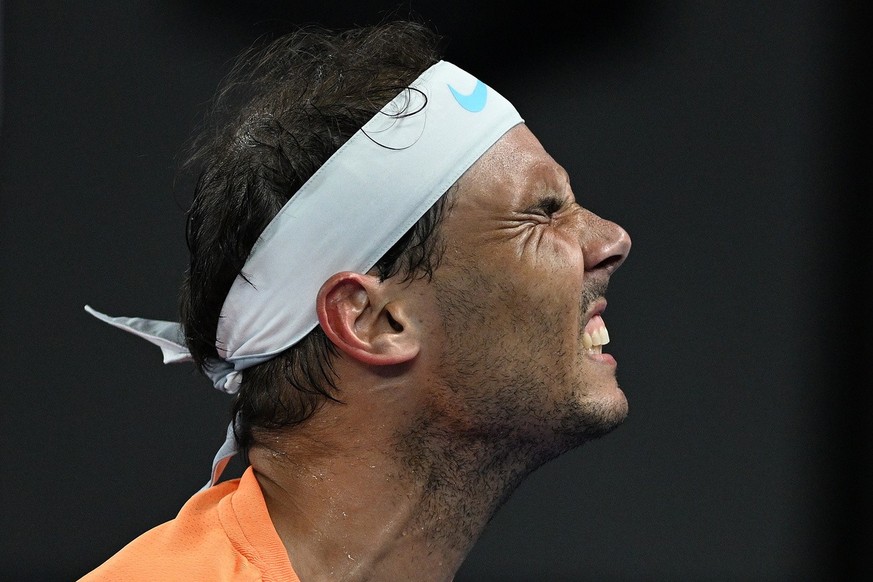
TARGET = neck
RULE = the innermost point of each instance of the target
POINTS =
(407, 504)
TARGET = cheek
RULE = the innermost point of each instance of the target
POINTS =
(564, 252)
(534, 286)
(551, 251)
(553, 277)
(542, 313)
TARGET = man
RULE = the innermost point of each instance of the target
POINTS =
(396, 281)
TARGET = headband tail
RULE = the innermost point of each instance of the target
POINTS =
(167, 335)
(222, 457)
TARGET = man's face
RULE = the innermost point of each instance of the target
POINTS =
(519, 293)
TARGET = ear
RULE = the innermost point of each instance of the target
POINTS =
(361, 318)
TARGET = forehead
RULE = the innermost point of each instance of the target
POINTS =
(515, 173)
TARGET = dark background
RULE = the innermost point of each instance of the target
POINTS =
(731, 139)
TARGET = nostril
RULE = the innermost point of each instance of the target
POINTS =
(611, 263)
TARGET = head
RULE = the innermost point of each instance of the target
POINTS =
(505, 275)
(285, 108)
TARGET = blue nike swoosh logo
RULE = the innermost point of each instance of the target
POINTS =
(473, 102)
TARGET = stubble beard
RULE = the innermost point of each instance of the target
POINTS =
(529, 399)
(498, 417)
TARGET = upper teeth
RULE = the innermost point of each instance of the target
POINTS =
(595, 334)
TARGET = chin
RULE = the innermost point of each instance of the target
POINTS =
(595, 417)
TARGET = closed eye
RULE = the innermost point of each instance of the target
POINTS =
(546, 206)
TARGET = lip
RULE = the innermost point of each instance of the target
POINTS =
(597, 308)
(605, 359)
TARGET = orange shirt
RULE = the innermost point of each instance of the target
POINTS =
(222, 533)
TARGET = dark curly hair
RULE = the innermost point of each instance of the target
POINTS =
(284, 109)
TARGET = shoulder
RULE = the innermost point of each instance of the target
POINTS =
(192, 546)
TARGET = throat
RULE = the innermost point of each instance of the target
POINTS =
(461, 483)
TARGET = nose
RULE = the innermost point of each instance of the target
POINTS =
(604, 244)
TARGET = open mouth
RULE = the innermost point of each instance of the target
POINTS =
(595, 335)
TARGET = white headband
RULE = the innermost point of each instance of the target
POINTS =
(344, 218)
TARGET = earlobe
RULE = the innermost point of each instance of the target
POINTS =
(363, 321)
